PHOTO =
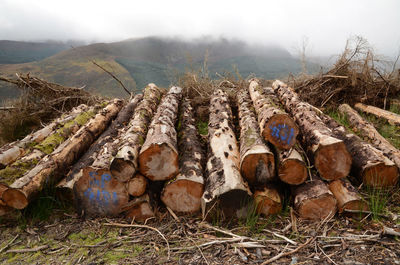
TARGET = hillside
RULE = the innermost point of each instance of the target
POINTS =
(137, 62)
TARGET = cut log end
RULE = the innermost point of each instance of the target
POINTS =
(183, 196)
(281, 131)
(381, 175)
(232, 204)
(122, 170)
(140, 212)
(293, 172)
(318, 208)
(137, 185)
(333, 161)
(258, 168)
(98, 193)
(15, 198)
(267, 201)
(159, 162)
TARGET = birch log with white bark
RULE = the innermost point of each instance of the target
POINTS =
(392, 118)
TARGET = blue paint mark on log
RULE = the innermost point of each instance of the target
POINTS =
(102, 197)
(282, 133)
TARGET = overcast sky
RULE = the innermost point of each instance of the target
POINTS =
(326, 24)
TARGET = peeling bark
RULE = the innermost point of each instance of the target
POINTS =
(257, 163)
(158, 157)
(392, 118)
(329, 154)
(291, 166)
(125, 163)
(276, 125)
(183, 194)
(368, 131)
(225, 190)
(347, 196)
(49, 170)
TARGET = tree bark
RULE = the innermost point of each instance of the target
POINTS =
(102, 150)
(368, 131)
(329, 154)
(369, 164)
(347, 196)
(125, 164)
(11, 152)
(183, 194)
(49, 170)
(276, 125)
(158, 157)
(392, 118)
(313, 200)
(291, 166)
(225, 191)
(268, 201)
(257, 163)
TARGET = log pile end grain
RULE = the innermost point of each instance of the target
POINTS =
(268, 201)
(347, 197)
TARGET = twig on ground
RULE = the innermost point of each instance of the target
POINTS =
(25, 250)
(280, 236)
(9, 243)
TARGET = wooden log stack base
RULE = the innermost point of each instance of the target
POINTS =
(314, 200)
(392, 118)
(330, 155)
(369, 164)
(139, 209)
(257, 163)
(50, 169)
(158, 158)
(125, 164)
(183, 194)
(225, 191)
(275, 124)
(348, 198)
(268, 201)
(291, 166)
(368, 131)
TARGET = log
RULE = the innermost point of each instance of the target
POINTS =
(226, 193)
(291, 166)
(51, 168)
(268, 201)
(139, 209)
(314, 200)
(392, 118)
(257, 163)
(34, 153)
(366, 130)
(12, 151)
(158, 157)
(125, 164)
(276, 125)
(98, 193)
(136, 186)
(347, 196)
(102, 150)
(183, 194)
(369, 164)
(329, 154)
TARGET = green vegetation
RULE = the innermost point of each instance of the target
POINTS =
(202, 127)
(377, 200)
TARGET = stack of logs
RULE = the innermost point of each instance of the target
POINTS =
(127, 158)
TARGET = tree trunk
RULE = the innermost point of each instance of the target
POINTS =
(11, 152)
(268, 201)
(313, 200)
(158, 158)
(137, 185)
(125, 164)
(101, 152)
(183, 194)
(34, 154)
(50, 169)
(392, 118)
(275, 124)
(329, 154)
(347, 196)
(368, 131)
(225, 191)
(291, 166)
(139, 209)
(369, 164)
(257, 163)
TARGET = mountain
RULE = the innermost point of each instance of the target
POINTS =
(137, 62)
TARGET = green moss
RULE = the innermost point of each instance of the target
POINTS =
(114, 257)
(10, 174)
(48, 145)
(202, 127)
